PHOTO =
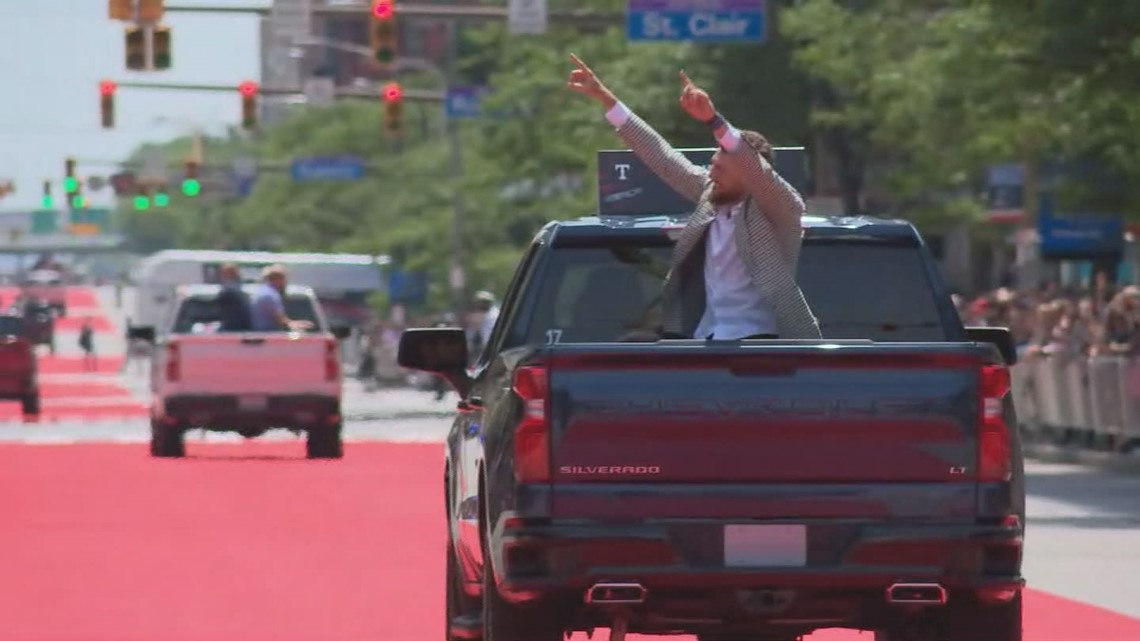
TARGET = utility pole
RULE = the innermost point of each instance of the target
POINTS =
(457, 273)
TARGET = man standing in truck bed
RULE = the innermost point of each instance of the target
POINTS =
(733, 272)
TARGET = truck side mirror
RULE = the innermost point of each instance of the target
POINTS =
(141, 333)
(998, 337)
(438, 350)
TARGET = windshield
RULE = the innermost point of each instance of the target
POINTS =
(197, 314)
(857, 289)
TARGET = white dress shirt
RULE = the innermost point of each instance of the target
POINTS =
(734, 306)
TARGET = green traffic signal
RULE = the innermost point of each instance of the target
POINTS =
(384, 55)
(142, 203)
(70, 184)
(77, 202)
(46, 203)
(161, 200)
(191, 187)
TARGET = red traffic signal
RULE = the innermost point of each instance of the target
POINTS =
(392, 92)
(382, 9)
(107, 88)
(248, 88)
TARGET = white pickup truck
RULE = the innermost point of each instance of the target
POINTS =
(244, 382)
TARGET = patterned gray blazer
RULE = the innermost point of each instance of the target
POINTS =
(768, 241)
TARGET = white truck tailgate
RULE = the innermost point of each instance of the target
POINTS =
(275, 363)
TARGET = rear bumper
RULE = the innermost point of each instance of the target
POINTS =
(234, 411)
(534, 561)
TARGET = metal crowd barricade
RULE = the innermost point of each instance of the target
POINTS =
(1098, 397)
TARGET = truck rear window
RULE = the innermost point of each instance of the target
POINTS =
(202, 312)
(857, 289)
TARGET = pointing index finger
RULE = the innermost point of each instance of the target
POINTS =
(578, 62)
(685, 78)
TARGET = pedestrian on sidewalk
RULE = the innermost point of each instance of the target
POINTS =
(87, 344)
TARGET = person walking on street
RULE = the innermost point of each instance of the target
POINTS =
(733, 270)
(87, 344)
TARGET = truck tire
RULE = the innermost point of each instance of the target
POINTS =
(504, 621)
(30, 404)
(974, 621)
(461, 620)
(166, 441)
(324, 443)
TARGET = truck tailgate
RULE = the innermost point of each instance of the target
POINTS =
(765, 430)
(275, 363)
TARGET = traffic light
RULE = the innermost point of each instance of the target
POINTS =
(70, 182)
(77, 200)
(120, 9)
(160, 47)
(142, 199)
(46, 201)
(107, 103)
(383, 31)
(248, 91)
(161, 199)
(393, 96)
(134, 42)
(190, 185)
(151, 10)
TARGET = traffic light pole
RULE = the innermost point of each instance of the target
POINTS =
(415, 95)
(576, 17)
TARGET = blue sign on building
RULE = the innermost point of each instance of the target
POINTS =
(464, 102)
(627, 187)
(327, 168)
(1078, 236)
(696, 20)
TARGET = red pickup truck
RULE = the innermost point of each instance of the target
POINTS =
(18, 379)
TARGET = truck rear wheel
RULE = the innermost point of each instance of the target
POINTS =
(166, 441)
(324, 442)
(30, 404)
(504, 621)
(974, 621)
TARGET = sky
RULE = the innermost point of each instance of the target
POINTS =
(53, 53)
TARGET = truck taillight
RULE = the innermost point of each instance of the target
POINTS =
(532, 434)
(994, 446)
(173, 362)
(332, 360)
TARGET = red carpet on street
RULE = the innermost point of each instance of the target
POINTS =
(251, 542)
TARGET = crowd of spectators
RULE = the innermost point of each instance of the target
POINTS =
(1103, 319)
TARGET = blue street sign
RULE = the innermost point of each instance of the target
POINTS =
(696, 20)
(327, 168)
(464, 102)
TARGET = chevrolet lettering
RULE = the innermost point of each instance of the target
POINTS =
(607, 469)
(731, 490)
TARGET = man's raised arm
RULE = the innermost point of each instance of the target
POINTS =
(671, 165)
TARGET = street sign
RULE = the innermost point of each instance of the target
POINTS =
(526, 17)
(696, 20)
(89, 221)
(327, 168)
(464, 102)
(45, 221)
(96, 183)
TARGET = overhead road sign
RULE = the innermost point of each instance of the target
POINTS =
(317, 168)
(696, 20)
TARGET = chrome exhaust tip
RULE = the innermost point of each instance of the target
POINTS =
(916, 594)
(616, 593)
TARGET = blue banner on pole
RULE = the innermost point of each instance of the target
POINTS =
(464, 103)
(696, 20)
(407, 287)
